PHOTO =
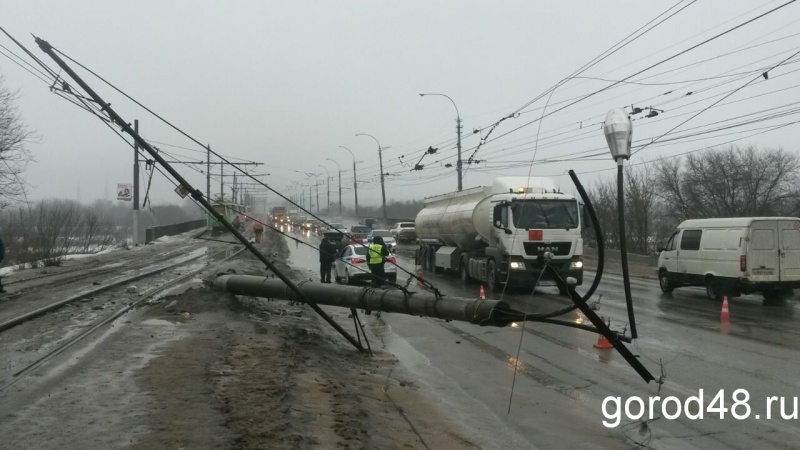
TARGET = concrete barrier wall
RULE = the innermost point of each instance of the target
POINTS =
(153, 233)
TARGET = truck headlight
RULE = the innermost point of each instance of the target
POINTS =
(576, 265)
(516, 265)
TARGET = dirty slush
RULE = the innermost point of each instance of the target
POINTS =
(253, 373)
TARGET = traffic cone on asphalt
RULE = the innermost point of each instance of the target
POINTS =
(725, 314)
(602, 341)
(419, 278)
(482, 294)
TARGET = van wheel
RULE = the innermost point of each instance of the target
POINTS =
(773, 295)
(713, 290)
(491, 277)
(664, 283)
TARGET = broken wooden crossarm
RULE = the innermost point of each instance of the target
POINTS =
(487, 312)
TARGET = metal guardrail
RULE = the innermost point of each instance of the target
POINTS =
(153, 233)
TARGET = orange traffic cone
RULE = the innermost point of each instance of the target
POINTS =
(725, 314)
(602, 341)
(419, 278)
(482, 294)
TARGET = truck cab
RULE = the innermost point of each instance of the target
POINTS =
(528, 224)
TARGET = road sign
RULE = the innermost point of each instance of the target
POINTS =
(124, 192)
(182, 191)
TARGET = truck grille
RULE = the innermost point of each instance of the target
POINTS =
(557, 248)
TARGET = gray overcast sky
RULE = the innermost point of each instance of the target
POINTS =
(288, 82)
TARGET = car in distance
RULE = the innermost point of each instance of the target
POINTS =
(370, 222)
(351, 266)
(359, 233)
(404, 232)
(387, 237)
(335, 226)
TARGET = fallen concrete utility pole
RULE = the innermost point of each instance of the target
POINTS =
(480, 312)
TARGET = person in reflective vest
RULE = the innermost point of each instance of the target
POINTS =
(377, 258)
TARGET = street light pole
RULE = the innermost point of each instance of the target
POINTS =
(618, 130)
(380, 159)
(328, 187)
(458, 135)
(355, 181)
(340, 184)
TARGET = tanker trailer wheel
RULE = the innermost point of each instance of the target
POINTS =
(491, 277)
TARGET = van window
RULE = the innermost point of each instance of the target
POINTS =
(763, 239)
(690, 240)
(671, 242)
(790, 239)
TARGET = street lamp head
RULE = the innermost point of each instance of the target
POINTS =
(619, 134)
(422, 95)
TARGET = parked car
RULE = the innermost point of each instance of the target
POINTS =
(733, 256)
(404, 232)
(359, 233)
(351, 266)
(388, 239)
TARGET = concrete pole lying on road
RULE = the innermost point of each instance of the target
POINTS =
(487, 312)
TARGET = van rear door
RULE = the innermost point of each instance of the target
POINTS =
(763, 255)
(789, 232)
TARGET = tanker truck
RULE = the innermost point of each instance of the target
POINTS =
(499, 234)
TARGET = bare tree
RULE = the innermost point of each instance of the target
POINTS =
(14, 157)
(734, 182)
(641, 207)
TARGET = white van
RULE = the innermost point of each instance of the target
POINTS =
(733, 256)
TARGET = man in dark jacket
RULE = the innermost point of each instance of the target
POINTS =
(327, 255)
(376, 258)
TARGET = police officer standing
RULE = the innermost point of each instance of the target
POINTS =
(377, 258)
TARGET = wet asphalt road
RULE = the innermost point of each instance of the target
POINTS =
(562, 381)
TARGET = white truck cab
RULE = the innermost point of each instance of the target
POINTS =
(733, 256)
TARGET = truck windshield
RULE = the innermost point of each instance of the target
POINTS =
(550, 214)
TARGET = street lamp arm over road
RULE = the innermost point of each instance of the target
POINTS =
(458, 134)
(380, 159)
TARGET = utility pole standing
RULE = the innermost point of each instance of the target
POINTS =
(328, 186)
(208, 172)
(135, 236)
(380, 159)
(233, 189)
(458, 135)
(383, 188)
(355, 179)
(459, 163)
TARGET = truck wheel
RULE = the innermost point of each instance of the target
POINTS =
(713, 289)
(664, 283)
(491, 277)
